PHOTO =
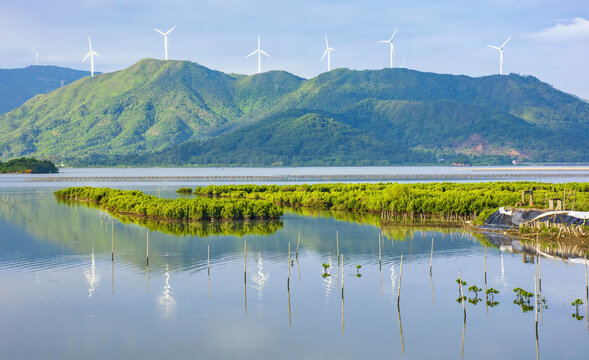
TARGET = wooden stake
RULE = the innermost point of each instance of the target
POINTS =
(431, 258)
(298, 243)
(586, 282)
(288, 278)
(342, 277)
(337, 245)
(112, 240)
(485, 265)
(209, 259)
(379, 252)
(147, 247)
(244, 262)
(462, 295)
(399, 289)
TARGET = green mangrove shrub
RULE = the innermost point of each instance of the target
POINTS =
(137, 203)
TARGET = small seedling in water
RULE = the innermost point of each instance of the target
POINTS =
(491, 292)
(475, 290)
(325, 270)
(358, 267)
(461, 299)
(524, 299)
(576, 304)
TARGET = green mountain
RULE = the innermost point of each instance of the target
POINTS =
(19, 85)
(178, 113)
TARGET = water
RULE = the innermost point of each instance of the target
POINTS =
(62, 297)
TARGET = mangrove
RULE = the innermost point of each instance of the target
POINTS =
(137, 203)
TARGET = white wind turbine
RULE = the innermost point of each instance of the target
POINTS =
(165, 34)
(327, 53)
(90, 54)
(392, 46)
(500, 48)
(36, 50)
(259, 51)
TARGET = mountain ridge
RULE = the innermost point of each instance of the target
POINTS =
(155, 107)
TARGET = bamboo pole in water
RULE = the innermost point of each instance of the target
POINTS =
(244, 261)
(112, 241)
(342, 293)
(379, 252)
(431, 258)
(586, 282)
(288, 278)
(462, 295)
(399, 289)
(209, 269)
(337, 245)
(298, 243)
(147, 247)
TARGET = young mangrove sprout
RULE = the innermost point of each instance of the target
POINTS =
(576, 304)
(491, 292)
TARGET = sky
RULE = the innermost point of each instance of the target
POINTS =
(549, 38)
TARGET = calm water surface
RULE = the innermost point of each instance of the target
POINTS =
(62, 297)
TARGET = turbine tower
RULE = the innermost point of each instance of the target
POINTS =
(259, 51)
(90, 54)
(327, 52)
(500, 48)
(165, 34)
(36, 50)
(392, 46)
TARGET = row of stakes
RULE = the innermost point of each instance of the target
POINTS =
(340, 257)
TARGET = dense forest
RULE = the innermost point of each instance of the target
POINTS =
(28, 166)
(158, 113)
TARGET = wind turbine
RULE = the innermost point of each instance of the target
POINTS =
(500, 48)
(36, 50)
(327, 52)
(259, 51)
(91, 54)
(165, 34)
(392, 46)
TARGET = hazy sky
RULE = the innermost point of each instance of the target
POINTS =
(550, 38)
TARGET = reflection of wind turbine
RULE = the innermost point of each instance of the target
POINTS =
(260, 278)
(166, 300)
(165, 34)
(393, 278)
(259, 51)
(91, 276)
(327, 52)
(392, 46)
(90, 54)
(500, 48)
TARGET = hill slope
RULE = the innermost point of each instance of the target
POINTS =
(20, 85)
(177, 112)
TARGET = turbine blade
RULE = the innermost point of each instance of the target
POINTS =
(263, 52)
(394, 32)
(326, 43)
(89, 43)
(95, 53)
(324, 54)
(169, 31)
(384, 41)
(506, 41)
(258, 41)
(255, 52)
(86, 57)
(494, 47)
(159, 31)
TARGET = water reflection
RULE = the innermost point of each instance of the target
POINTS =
(91, 276)
(41, 262)
(165, 301)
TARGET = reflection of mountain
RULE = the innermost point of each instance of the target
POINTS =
(75, 228)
